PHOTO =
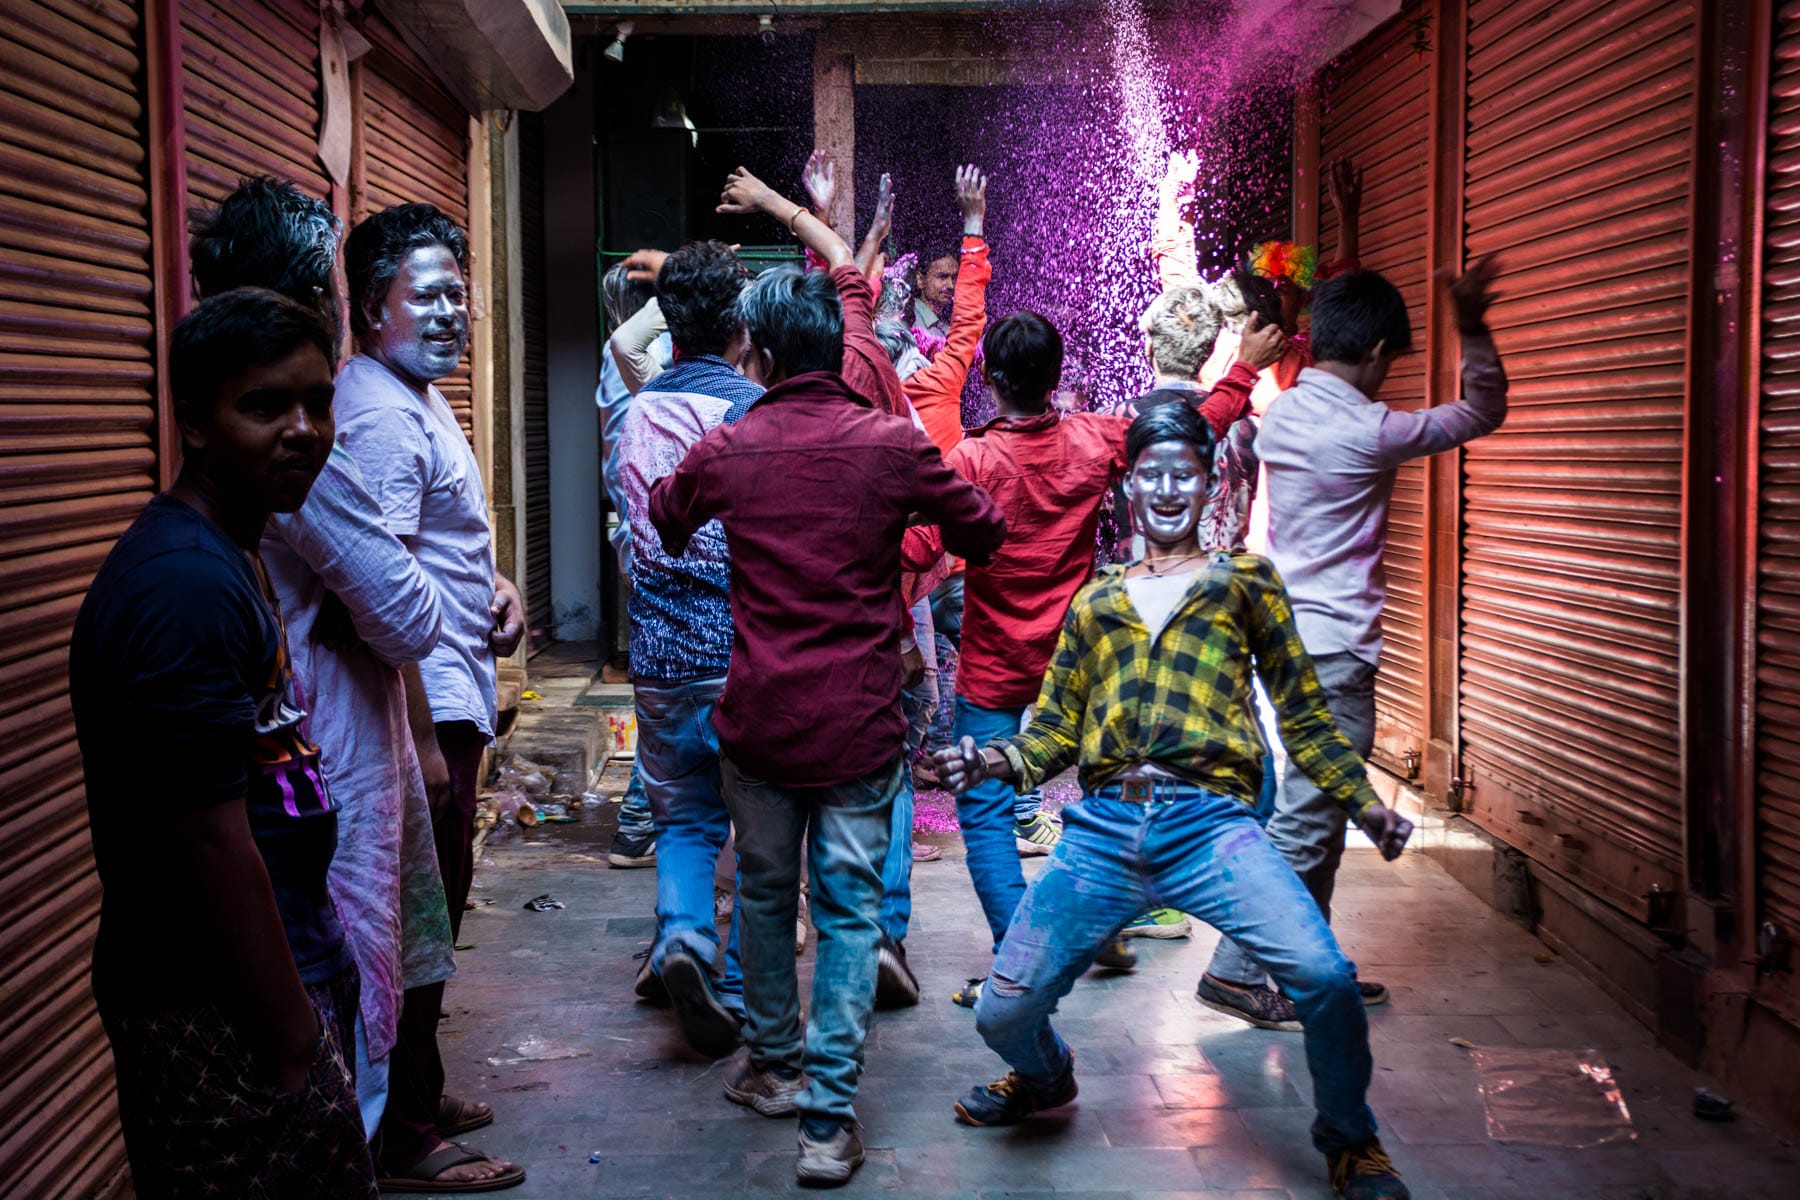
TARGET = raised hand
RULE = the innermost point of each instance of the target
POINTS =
(745, 193)
(820, 178)
(883, 223)
(1472, 292)
(1179, 178)
(971, 197)
(1343, 183)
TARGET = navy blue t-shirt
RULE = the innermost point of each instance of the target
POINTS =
(184, 698)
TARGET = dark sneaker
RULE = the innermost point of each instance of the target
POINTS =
(1372, 993)
(632, 852)
(649, 987)
(1117, 956)
(969, 994)
(895, 984)
(1009, 1101)
(1262, 1006)
(1365, 1172)
(828, 1161)
(768, 1091)
(707, 1024)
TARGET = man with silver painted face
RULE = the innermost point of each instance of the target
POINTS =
(1147, 693)
(409, 313)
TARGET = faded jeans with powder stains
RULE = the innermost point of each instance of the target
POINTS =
(1202, 853)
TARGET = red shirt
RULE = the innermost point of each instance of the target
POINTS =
(815, 488)
(1050, 474)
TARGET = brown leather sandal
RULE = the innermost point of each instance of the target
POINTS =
(459, 1116)
(423, 1175)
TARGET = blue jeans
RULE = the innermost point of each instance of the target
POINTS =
(845, 829)
(1203, 854)
(635, 818)
(678, 759)
(1306, 825)
(918, 703)
(987, 813)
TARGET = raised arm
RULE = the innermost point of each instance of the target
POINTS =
(1343, 184)
(745, 194)
(679, 504)
(869, 257)
(631, 343)
(1229, 398)
(1172, 238)
(970, 524)
(1482, 406)
(936, 388)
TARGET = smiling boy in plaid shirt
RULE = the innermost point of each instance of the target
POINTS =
(1149, 691)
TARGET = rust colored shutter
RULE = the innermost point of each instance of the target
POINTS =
(1580, 131)
(538, 606)
(415, 139)
(1778, 518)
(76, 464)
(1373, 109)
(251, 77)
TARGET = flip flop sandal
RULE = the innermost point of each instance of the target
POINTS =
(460, 1116)
(423, 1177)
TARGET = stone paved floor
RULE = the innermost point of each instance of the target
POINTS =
(1177, 1103)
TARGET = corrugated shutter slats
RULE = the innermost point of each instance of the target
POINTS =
(538, 600)
(1374, 110)
(416, 150)
(77, 462)
(1578, 171)
(1777, 811)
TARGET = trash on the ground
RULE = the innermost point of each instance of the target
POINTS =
(555, 808)
(534, 1049)
(1565, 1099)
(592, 799)
(521, 774)
(528, 694)
(543, 903)
(1710, 1106)
(1464, 1042)
(594, 1157)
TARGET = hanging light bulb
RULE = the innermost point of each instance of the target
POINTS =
(616, 51)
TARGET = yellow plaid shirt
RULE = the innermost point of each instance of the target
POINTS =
(1113, 699)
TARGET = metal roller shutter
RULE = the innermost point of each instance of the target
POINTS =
(1374, 109)
(251, 82)
(538, 606)
(1777, 811)
(1580, 131)
(415, 139)
(77, 462)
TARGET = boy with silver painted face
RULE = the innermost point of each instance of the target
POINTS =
(410, 317)
(1149, 692)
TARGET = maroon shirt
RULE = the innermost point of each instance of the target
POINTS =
(814, 488)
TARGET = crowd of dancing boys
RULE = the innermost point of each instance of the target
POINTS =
(310, 616)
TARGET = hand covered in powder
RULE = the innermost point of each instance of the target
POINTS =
(508, 610)
(1343, 183)
(971, 197)
(1182, 173)
(883, 222)
(1387, 829)
(820, 178)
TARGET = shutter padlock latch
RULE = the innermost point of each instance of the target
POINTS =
(1459, 788)
(1570, 843)
(1659, 906)
(1412, 761)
